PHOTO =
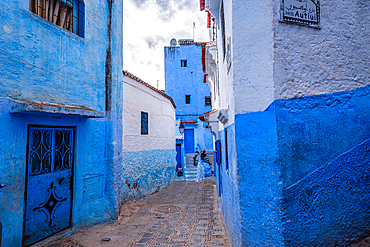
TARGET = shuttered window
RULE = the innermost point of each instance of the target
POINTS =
(67, 14)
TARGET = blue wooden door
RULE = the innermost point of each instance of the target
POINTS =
(48, 182)
(189, 140)
(178, 155)
(218, 162)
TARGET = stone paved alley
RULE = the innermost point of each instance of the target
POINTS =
(184, 214)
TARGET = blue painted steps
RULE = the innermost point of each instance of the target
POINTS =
(190, 170)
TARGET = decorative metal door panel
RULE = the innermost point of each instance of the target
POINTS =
(49, 182)
(189, 140)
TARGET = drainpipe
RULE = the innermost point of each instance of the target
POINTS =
(108, 64)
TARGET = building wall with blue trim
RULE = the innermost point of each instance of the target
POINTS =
(189, 80)
(181, 81)
(149, 160)
(300, 115)
(50, 67)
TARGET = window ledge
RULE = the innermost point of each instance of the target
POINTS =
(18, 106)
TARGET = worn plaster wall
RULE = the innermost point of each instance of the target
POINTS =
(181, 81)
(39, 60)
(259, 174)
(42, 62)
(335, 58)
(324, 142)
(301, 115)
(322, 77)
(88, 163)
(149, 161)
(230, 189)
(252, 53)
(189, 80)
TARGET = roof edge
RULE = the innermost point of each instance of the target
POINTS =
(128, 74)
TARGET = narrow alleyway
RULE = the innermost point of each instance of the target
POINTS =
(184, 214)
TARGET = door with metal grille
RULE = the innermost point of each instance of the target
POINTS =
(48, 182)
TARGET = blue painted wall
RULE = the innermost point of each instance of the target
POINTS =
(324, 156)
(147, 172)
(259, 179)
(300, 175)
(42, 62)
(230, 200)
(89, 150)
(182, 81)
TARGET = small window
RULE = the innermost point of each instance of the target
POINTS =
(67, 14)
(208, 101)
(184, 63)
(144, 123)
(187, 99)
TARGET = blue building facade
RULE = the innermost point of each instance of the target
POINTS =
(291, 121)
(185, 84)
(60, 117)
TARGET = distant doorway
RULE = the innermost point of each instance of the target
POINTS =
(178, 156)
(189, 140)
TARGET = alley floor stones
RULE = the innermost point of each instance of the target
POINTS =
(184, 214)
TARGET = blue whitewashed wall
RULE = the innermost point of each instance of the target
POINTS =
(300, 115)
(42, 62)
(149, 161)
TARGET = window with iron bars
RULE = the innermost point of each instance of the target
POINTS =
(67, 14)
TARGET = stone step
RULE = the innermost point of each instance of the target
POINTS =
(191, 168)
(190, 174)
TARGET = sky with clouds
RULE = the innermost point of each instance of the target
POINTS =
(149, 26)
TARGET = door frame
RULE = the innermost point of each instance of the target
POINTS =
(74, 128)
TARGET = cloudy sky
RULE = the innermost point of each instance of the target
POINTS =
(149, 25)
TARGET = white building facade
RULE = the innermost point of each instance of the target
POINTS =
(148, 139)
(290, 117)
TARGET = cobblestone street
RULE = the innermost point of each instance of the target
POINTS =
(184, 214)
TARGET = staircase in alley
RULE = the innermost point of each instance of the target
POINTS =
(190, 169)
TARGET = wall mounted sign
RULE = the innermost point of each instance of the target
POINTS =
(303, 12)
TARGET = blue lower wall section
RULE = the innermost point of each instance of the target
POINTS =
(302, 172)
(324, 155)
(315, 130)
(331, 206)
(259, 179)
(230, 200)
(146, 172)
(89, 163)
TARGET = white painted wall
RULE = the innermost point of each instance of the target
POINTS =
(161, 113)
(309, 61)
(252, 54)
(276, 60)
